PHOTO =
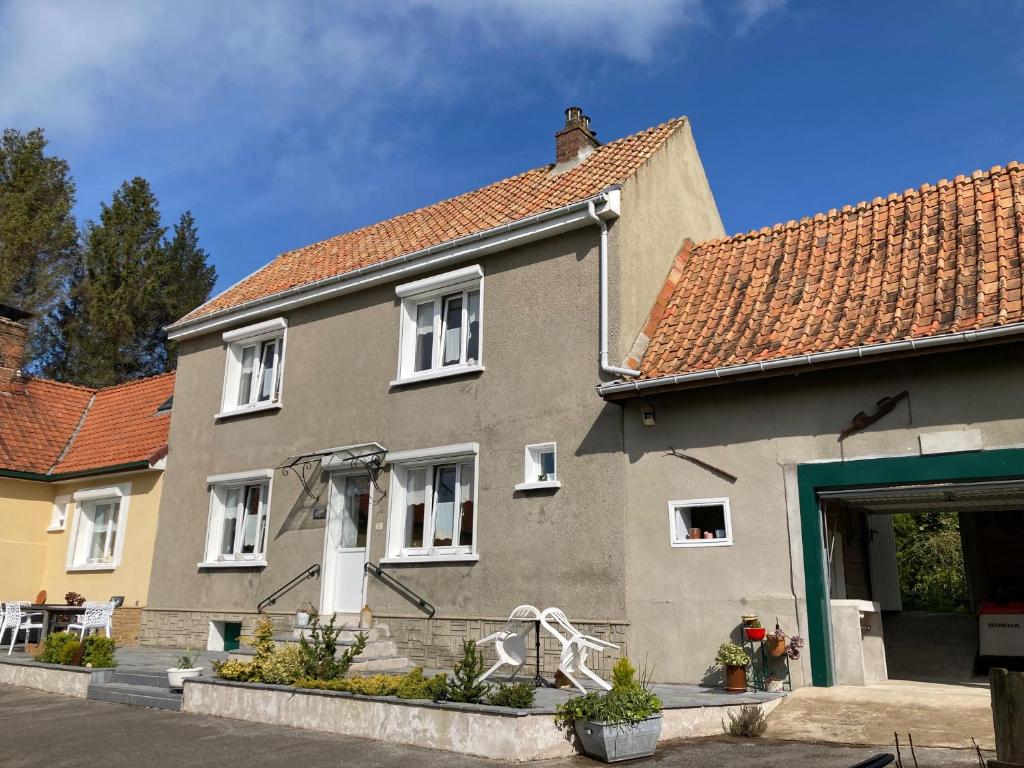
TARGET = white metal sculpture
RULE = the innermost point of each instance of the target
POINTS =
(16, 619)
(510, 642)
(97, 616)
(576, 647)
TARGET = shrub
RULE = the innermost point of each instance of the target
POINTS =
(321, 685)
(627, 703)
(233, 669)
(319, 659)
(73, 598)
(59, 648)
(99, 652)
(282, 667)
(749, 723)
(463, 687)
(517, 696)
(414, 685)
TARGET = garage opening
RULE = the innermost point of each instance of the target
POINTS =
(930, 576)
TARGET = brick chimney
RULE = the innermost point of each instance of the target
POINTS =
(13, 335)
(576, 138)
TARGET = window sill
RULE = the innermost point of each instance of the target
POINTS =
(704, 543)
(439, 373)
(233, 564)
(55, 529)
(247, 410)
(539, 485)
(91, 567)
(414, 559)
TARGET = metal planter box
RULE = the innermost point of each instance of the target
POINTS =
(612, 743)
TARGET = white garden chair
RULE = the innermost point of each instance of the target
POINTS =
(510, 642)
(16, 619)
(97, 616)
(575, 648)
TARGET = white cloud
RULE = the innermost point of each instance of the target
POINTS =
(752, 12)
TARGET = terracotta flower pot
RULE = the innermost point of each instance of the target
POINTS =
(755, 633)
(776, 646)
(736, 679)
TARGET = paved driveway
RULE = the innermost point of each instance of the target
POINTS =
(41, 729)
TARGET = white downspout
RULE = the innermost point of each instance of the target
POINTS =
(603, 258)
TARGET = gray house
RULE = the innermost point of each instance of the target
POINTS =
(420, 395)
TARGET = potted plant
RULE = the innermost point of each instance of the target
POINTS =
(185, 669)
(734, 660)
(754, 631)
(302, 615)
(622, 724)
(773, 684)
(776, 642)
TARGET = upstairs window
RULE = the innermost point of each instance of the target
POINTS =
(700, 523)
(441, 325)
(433, 504)
(541, 470)
(255, 362)
(237, 530)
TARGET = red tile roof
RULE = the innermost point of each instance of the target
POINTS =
(937, 260)
(54, 428)
(500, 203)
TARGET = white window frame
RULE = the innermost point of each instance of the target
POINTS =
(436, 289)
(430, 458)
(532, 468)
(59, 514)
(679, 538)
(252, 336)
(83, 525)
(217, 485)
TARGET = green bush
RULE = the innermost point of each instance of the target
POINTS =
(99, 652)
(749, 723)
(627, 703)
(319, 654)
(282, 667)
(414, 685)
(517, 696)
(463, 687)
(234, 669)
(59, 648)
(930, 560)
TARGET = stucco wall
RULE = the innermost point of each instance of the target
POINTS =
(539, 347)
(138, 527)
(24, 514)
(683, 602)
(667, 201)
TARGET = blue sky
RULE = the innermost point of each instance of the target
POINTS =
(280, 124)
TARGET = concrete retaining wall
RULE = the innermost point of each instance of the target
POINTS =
(52, 678)
(497, 733)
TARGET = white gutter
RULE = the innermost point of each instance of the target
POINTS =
(603, 259)
(798, 361)
(504, 236)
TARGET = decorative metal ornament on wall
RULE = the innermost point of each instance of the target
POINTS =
(367, 457)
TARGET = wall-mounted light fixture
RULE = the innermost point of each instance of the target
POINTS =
(647, 415)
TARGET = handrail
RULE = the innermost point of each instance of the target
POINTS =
(400, 588)
(310, 573)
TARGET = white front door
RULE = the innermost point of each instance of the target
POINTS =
(348, 521)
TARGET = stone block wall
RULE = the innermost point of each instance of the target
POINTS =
(191, 629)
(125, 626)
(437, 643)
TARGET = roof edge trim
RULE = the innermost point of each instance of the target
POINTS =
(505, 236)
(624, 389)
(16, 474)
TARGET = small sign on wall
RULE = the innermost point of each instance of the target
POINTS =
(320, 512)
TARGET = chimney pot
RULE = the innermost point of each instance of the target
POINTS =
(576, 138)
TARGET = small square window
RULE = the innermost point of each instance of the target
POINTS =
(700, 523)
(541, 467)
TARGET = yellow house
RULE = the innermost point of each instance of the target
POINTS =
(80, 476)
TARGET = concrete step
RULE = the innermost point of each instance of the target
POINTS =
(375, 649)
(144, 677)
(136, 695)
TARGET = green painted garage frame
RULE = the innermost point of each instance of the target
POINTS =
(1002, 464)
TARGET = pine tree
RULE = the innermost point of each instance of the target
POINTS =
(38, 234)
(133, 282)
